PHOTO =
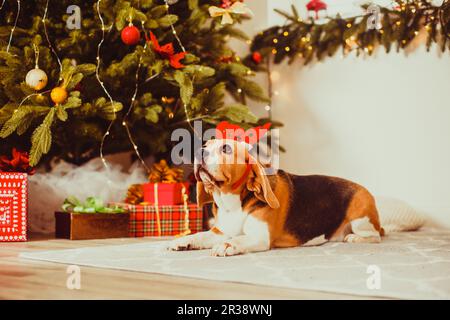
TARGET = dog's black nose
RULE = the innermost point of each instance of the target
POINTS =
(201, 155)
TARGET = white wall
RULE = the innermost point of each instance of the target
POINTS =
(383, 121)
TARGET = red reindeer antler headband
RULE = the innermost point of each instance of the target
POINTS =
(226, 130)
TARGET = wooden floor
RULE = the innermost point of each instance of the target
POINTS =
(28, 279)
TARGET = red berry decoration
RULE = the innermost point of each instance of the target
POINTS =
(130, 35)
(256, 57)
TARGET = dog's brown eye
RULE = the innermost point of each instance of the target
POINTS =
(226, 148)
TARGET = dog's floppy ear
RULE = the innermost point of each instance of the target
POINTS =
(203, 197)
(260, 185)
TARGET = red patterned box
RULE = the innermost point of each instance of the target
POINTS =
(144, 220)
(13, 206)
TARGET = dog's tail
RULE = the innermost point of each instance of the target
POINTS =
(396, 216)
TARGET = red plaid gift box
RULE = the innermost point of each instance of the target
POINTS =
(144, 220)
(13, 206)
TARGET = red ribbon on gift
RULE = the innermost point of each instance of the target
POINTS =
(19, 162)
(187, 230)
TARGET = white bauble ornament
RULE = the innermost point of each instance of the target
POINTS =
(36, 79)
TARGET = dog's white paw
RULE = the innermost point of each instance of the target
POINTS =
(181, 244)
(354, 238)
(224, 249)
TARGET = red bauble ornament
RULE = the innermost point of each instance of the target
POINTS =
(256, 57)
(130, 35)
(316, 6)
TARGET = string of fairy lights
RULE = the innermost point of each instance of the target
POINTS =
(97, 75)
(44, 23)
(136, 89)
(14, 26)
(172, 27)
(133, 99)
(175, 34)
(1, 5)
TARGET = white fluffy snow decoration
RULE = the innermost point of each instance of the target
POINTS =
(47, 191)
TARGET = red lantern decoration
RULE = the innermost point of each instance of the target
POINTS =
(256, 57)
(130, 35)
(316, 6)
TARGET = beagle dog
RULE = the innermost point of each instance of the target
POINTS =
(256, 212)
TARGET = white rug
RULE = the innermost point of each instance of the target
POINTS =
(413, 265)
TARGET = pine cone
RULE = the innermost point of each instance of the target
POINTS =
(162, 173)
(135, 194)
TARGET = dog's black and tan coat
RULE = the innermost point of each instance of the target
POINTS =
(257, 212)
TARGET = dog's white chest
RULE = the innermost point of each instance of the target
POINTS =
(230, 216)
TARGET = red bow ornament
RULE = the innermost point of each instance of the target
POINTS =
(226, 130)
(167, 52)
(20, 162)
(316, 6)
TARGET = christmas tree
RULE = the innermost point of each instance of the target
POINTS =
(83, 77)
